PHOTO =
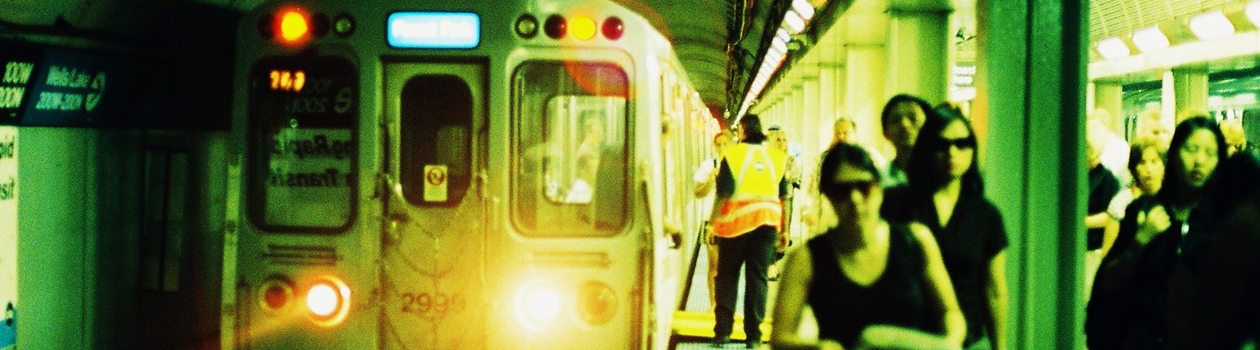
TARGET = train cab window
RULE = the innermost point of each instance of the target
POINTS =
(570, 149)
(303, 119)
(436, 114)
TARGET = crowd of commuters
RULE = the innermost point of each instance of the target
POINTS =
(915, 244)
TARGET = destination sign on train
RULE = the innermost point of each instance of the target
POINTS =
(307, 91)
(433, 30)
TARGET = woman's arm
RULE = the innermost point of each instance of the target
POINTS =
(996, 292)
(1109, 236)
(793, 290)
(941, 289)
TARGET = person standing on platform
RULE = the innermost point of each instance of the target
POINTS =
(706, 177)
(748, 220)
(1236, 138)
(1100, 228)
(902, 118)
(946, 193)
(865, 271)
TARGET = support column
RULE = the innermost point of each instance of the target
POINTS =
(1031, 87)
(828, 103)
(1168, 99)
(811, 117)
(1109, 96)
(1190, 88)
(918, 50)
(865, 98)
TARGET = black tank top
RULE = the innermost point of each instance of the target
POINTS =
(843, 308)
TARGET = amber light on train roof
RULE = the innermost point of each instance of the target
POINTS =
(295, 25)
(583, 28)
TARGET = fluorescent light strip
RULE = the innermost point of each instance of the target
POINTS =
(1150, 39)
(804, 9)
(1113, 48)
(1211, 25)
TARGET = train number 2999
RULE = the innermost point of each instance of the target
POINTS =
(425, 304)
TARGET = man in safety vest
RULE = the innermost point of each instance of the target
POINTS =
(747, 221)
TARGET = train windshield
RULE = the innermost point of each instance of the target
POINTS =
(303, 113)
(569, 163)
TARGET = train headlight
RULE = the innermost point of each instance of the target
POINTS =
(328, 301)
(537, 305)
(583, 28)
(597, 303)
(322, 300)
(526, 26)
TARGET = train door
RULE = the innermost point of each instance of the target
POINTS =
(433, 244)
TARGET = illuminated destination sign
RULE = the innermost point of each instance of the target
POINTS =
(433, 30)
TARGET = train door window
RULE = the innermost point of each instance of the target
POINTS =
(570, 147)
(163, 234)
(436, 114)
(303, 116)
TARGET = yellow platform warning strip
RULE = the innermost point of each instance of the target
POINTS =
(696, 324)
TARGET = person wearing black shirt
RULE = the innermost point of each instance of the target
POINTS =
(864, 271)
(946, 193)
(1101, 228)
(1128, 303)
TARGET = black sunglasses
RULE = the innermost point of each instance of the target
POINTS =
(962, 143)
(843, 189)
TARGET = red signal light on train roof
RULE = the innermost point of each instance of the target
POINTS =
(613, 28)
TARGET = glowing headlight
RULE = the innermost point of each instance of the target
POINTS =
(328, 301)
(537, 305)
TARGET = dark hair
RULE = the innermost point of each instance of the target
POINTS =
(886, 114)
(843, 153)
(1175, 183)
(1233, 183)
(751, 124)
(1139, 147)
(922, 173)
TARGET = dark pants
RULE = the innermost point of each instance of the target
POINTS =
(757, 249)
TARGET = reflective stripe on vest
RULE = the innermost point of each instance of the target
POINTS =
(757, 171)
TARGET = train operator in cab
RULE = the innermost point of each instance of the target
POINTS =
(748, 220)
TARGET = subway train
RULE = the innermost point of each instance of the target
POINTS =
(458, 175)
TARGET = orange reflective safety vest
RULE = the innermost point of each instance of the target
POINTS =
(757, 170)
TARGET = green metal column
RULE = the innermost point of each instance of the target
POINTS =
(1190, 88)
(1031, 89)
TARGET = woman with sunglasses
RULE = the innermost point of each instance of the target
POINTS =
(946, 194)
(1128, 302)
(865, 271)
